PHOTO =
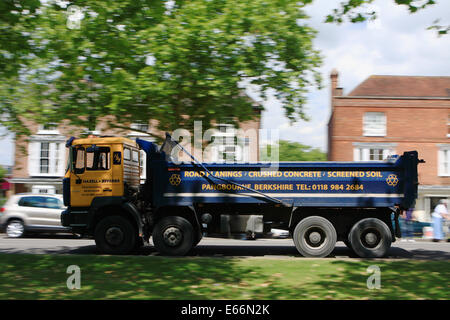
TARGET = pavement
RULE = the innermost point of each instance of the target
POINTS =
(216, 247)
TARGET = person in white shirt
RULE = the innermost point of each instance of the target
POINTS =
(439, 214)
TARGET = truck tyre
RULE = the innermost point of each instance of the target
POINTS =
(315, 237)
(197, 241)
(370, 238)
(173, 236)
(348, 244)
(115, 235)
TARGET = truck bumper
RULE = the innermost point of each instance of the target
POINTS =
(70, 218)
(65, 218)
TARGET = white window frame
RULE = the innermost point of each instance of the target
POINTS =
(57, 154)
(222, 141)
(136, 125)
(43, 131)
(444, 160)
(361, 151)
(40, 188)
(374, 124)
(448, 126)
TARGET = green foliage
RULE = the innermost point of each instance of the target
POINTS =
(138, 60)
(17, 18)
(357, 11)
(2, 173)
(293, 151)
(141, 59)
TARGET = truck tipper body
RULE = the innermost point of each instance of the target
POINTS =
(320, 203)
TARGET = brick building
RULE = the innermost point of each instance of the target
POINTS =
(387, 115)
(40, 160)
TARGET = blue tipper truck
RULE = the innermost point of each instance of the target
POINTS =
(320, 203)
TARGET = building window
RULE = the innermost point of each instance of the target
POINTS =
(141, 126)
(376, 154)
(225, 147)
(374, 124)
(444, 161)
(372, 151)
(448, 126)
(46, 158)
(48, 128)
(43, 189)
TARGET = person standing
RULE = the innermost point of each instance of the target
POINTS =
(440, 212)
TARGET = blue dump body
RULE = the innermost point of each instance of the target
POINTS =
(299, 184)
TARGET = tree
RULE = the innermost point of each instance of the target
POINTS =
(292, 151)
(16, 20)
(356, 11)
(174, 61)
(142, 59)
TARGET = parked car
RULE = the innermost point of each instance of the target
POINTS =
(32, 213)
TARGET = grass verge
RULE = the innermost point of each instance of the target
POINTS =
(26, 276)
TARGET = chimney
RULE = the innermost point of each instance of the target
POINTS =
(335, 90)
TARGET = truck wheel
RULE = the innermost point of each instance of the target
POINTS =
(370, 238)
(197, 241)
(315, 237)
(115, 235)
(173, 236)
(348, 244)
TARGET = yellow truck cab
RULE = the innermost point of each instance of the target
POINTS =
(101, 176)
(101, 167)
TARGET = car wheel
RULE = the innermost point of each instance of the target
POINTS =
(15, 229)
(173, 236)
(315, 237)
(370, 238)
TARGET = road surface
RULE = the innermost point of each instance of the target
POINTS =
(213, 247)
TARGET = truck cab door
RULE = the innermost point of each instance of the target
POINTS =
(92, 175)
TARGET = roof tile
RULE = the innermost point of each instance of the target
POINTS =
(403, 86)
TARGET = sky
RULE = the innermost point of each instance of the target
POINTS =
(397, 43)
